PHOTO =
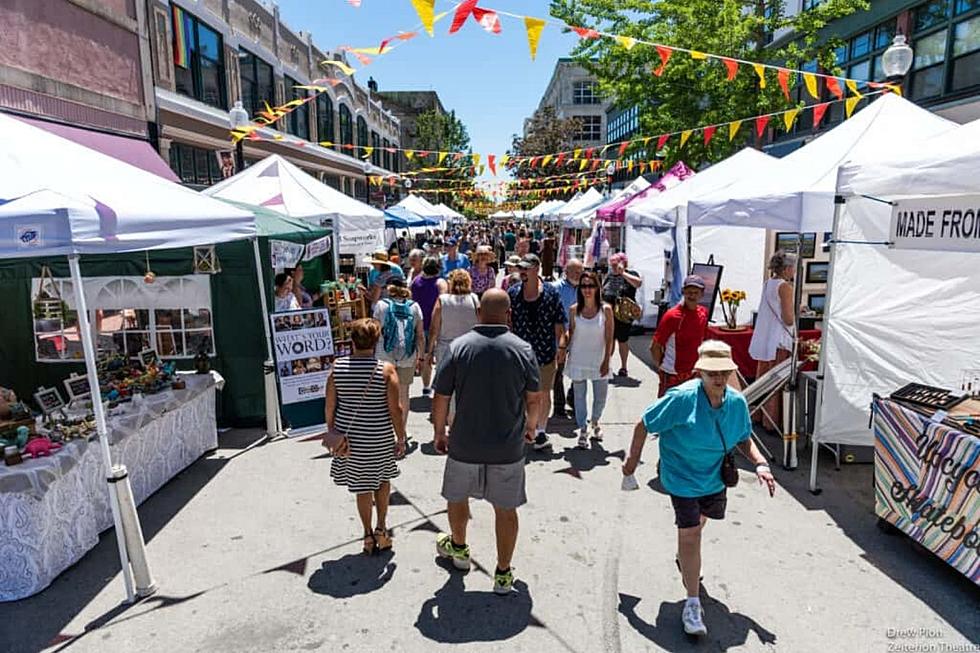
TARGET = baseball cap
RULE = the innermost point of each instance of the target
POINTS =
(693, 281)
(513, 260)
(529, 261)
(452, 242)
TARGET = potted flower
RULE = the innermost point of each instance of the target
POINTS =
(730, 300)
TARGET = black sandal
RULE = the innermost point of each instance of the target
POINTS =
(382, 539)
(370, 544)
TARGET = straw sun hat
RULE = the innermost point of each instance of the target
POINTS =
(715, 356)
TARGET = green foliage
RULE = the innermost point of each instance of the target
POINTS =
(442, 132)
(546, 134)
(693, 93)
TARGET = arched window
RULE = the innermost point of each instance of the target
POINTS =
(346, 126)
(362, 132)
(324, 118)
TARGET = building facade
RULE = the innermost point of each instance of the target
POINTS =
(407, 107)
(574, 93)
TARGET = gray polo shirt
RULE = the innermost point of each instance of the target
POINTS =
(488, 369)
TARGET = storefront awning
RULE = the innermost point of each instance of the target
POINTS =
(133, 151)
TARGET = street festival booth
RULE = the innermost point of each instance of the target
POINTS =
(421, 206)
(60, 199)
(797, 196)
(575, 217)
(907, 236)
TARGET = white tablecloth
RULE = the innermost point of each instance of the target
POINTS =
(53, 509)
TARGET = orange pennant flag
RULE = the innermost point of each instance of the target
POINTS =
(783, 76)
(426, 11)
(622, 148)
(833, 85)
(534, 27)
(760, 70)
(732, 67)
(586, 32)
(664, 53)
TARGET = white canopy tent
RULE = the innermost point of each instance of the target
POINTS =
(895, 316)
(578, 212)
(278, 184)
(59, 198)
(421, 206)
(448, 213)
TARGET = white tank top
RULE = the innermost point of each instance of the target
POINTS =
(588, 348)
(771, 333)
(458, 316)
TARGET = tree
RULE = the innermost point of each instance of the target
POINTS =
(442, 132)
(692, 93)
(546, 133)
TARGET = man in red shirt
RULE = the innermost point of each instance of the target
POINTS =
(680, 332)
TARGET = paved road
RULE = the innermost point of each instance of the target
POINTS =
(256, 551)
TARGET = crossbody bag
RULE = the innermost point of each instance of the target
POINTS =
(332, 438)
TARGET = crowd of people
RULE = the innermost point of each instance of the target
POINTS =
(479, 317)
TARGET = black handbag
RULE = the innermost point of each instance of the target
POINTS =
(729, 472)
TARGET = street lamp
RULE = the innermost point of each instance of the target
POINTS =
(238, 119)
(610, 173)
(367, 182)
(897, 60)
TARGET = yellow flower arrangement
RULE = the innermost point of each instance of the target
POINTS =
(730, 300)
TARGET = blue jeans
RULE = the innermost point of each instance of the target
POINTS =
(600, 388)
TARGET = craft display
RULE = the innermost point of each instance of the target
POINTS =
(928, 396)
(119, 379)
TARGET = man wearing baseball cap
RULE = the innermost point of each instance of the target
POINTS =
(698, 422)
(452, 259)
(679, 333)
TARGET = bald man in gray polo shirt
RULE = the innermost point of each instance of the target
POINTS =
(494, 375)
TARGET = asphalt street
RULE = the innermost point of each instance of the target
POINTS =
(255, 550)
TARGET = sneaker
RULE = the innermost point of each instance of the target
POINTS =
(503, 583)
(541, 442)
(460, 557)
(692, 618)
(622, 372)
(597, 433)
(583, 438)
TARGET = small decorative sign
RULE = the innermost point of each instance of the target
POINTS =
(318, 247)
(49, 400)
(77, 387)
(149, 357)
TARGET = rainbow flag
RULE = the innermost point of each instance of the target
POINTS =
(182, 37)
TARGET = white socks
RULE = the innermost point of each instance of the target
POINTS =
(693, 600)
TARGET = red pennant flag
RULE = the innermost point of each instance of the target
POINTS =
(492, 162)
(595, 164)
(643, 167)
(488, 19)
(818, 112)
(424, 153)
(589, 152)
(664, 53)
(534, 162)
(560, 159)
(732, 67)
(622, 147)
(709, 132)
(586, 32)
(384, 44)
(662, 141)
(783, 76)
(463, 12)
(760, 125)
(833, 85)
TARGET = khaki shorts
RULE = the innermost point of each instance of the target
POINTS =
(501, 485)
(547, 373)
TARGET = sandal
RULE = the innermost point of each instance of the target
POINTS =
(382, 538)
(370, 544)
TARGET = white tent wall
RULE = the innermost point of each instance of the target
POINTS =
(742, 252)
(895, 316)
(648, 251)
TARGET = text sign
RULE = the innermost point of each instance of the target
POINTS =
(948, 223)
(304, 353)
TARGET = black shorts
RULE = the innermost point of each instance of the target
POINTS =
(622, 331)
(688, 510)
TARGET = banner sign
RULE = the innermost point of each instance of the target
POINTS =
(927, 484)
(948, 223)
(285, 254)
(304, 353)
(318, 247)
(361, 243)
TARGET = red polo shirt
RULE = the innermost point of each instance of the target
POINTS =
(680, 332)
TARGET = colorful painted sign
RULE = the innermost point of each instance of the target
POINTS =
(304, 353)
(927, 483)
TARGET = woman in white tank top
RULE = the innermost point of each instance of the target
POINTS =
(772, 340)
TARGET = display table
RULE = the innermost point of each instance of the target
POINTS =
(927, 481)
(52, 509)
(739, 342)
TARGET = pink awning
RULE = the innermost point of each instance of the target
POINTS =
(616, 211)
(134, 151)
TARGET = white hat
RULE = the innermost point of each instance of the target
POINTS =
(715, 356)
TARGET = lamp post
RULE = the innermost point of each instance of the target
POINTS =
(367, 182)
(610, 173)
(238, 119)
(897, 60)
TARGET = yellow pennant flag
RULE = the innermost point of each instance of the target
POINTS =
(811, 85)
(582, 164)
(534, 27)
(326, 144)
(344, 68)
(504, 158)
(853, 88)
(426, 10)
(698, 55)
(760, 70)
(686, 135)
(546, 160)
(733, 128)
(409, 154)
(626, 41)
(629, 167)
(368, 151)
(849, 105)
(475, 158)
(789, 117)
(375, 50)
(442, 157)
(576, 153)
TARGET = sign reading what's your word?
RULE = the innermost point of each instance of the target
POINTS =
(946, 222)
(304, 353)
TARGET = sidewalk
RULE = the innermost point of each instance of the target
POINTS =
(258, 551)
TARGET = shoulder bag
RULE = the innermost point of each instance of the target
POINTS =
(333, 438)
(729, 472)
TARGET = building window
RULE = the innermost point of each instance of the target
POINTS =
(591, 129)
(966, 54)
(324, 118)
(298, 120)
(585, 93)
(622, 124)
(931, 14)
(810, 4)
(362, 132)
(258, 83)
(346, 126)
(377, 153)
(198, 63)
(195, 165)
(172, 317)
(947, 48)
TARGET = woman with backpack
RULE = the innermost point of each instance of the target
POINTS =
(402, 341)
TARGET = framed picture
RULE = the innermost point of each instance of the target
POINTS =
(788, 241)
(816, 302)
(816, 271)
(77, 387)
(48, 400)
(712, 283)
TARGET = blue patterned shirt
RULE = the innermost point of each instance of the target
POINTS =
(534, 322)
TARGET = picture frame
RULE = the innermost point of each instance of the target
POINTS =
(77, 387)
(816, 302)
(49, 400)
(711, 274)
(787, 241)
(816, 271)
(148, 357)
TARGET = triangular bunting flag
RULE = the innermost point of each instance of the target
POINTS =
(732, 68)
(546, 160)
(463, 11)
(442, 157)
(818, 112)
(697, 55)
(623, 147)
(789, 117)
(488, 19)
(783, 76)
(425, 9)
(629, 167)
(662, 141)
(585, 32)
(504, 159)
(685, 135)
(534, 162)
(595, 164)
(853, 87)
(344, 68)
(664, 53)
(582, 164)
(833, 85)
(733, 128)
(534, 27)
(760, 125)
(409, 154)
(368, 151)
(643, 167)
(475, 158)
(810, 80)
(560, 159)
(709, 133)
(760, 70)
(576, 152)
(589, 152)
(626, 41)
(849, 105)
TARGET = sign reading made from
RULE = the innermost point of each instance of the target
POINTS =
(950, 223)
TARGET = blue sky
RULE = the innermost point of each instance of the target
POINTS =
(488, 79)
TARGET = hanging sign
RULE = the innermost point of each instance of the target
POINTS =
(285, 254)
(318, 247)
(304, 353)
(948, 223)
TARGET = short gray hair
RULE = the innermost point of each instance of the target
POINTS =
(416, 253)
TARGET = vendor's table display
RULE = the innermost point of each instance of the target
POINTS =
(52, 508)
(739, 341)
(927, 475)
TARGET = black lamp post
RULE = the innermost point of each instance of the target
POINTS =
(238, 119)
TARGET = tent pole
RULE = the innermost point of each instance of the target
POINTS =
(115, 475)
(690, 265)
(335, 236)
(790, 393)
(273, 425)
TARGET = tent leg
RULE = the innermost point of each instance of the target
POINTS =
(814, 453)
(273, 426)
(132, 553)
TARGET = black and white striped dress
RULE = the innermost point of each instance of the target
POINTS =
(371, 436)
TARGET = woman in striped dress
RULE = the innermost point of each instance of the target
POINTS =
(362, 403)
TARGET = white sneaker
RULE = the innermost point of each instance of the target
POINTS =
(583, 438)
(692, 618)
(597, 433)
